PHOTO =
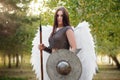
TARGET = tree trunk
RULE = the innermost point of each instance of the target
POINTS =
(22, 60)
(116, 61)
(9, 61)
(4, 60)
(13, 59)
(17, 60)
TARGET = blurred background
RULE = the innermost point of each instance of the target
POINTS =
(20, 19)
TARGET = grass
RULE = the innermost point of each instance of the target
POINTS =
(8, 78)
(106, 72)
(21, 73)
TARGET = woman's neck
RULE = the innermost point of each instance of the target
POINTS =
(59, 26)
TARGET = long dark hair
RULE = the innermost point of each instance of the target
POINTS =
(66, 21)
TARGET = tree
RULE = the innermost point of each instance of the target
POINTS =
(16, 29)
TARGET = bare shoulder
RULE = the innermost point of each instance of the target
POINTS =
(69, 31)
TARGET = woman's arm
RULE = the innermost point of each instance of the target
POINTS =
(71, 39)
(43, 47)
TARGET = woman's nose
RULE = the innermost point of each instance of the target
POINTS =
(59, 16)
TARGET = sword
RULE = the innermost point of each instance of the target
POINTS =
(41, 54)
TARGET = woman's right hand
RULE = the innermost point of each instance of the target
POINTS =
(41, 47)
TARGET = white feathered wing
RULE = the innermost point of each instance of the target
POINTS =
(87, 55)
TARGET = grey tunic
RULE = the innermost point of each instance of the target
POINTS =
(59, 40)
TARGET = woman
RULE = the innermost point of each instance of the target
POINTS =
(62, 36)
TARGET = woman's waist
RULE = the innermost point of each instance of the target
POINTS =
(55, 49)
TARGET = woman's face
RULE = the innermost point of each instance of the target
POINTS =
(60, 18)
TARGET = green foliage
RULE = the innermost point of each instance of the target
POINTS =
(16, 29)
(105, 27)
(103, 15)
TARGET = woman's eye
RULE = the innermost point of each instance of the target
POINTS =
(59, 15)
